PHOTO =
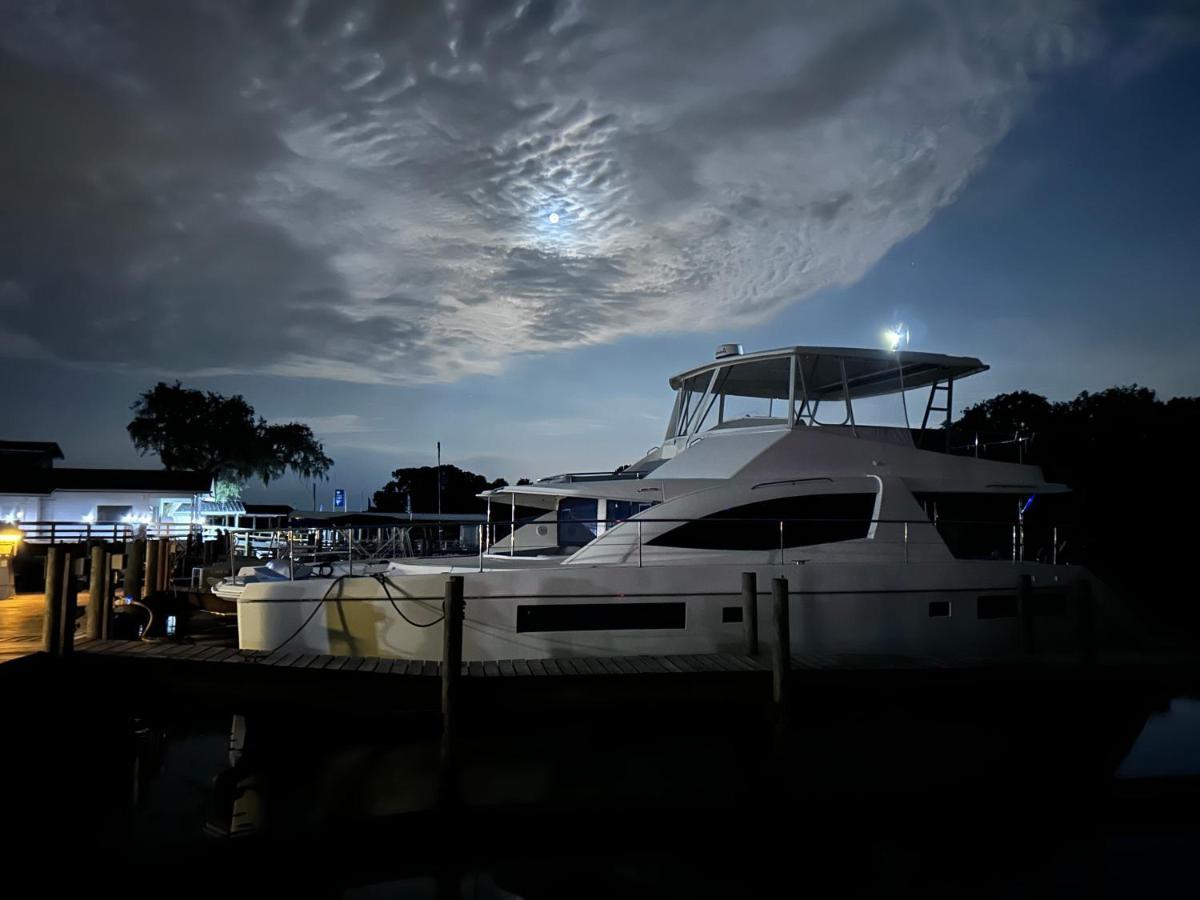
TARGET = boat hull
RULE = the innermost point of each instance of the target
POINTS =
(954, 609)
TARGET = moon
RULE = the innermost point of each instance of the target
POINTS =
(553, 218)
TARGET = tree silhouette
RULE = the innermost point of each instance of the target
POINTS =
(1128, 458)
(416, 489)
(206, 432)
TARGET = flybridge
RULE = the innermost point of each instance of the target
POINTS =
(787, 386)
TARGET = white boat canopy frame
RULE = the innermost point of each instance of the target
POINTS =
(802, 377)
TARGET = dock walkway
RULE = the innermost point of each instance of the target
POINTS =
(223, 675)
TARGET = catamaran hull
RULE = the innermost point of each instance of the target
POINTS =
(951, 609)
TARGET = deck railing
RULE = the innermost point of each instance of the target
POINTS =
(48, 532)
(1006, 540)
(321, 546)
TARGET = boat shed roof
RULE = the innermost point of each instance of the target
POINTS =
(150, 481)
(338, 518)
(869, 372)
(38, 449)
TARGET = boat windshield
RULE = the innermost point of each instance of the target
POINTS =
(817, 386)
(742, 394)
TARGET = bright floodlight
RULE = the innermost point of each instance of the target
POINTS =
(10, 538)
(553, 218)
(894, 337)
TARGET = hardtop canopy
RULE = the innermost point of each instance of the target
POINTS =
(868, 372)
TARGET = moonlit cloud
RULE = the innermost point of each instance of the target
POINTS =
(412, 192)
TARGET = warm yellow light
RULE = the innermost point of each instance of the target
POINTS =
(9, 539)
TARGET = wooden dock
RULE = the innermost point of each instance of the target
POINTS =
(229, 678)
(225, 676)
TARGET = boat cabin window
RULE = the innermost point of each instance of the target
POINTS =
(807, 519)
(616, 511)
(577, 521)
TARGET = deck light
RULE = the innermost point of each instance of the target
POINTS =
(10, 539)
(894, 337)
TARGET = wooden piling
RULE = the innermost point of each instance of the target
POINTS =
(135, 555)
(454, 611)
(163, 582)
(152, 564)
(68, 600)
(97, 593)
(781, 661)
(1025, 611)
(1085, 613)
(106, 608)
(750, 612)
(51, 626)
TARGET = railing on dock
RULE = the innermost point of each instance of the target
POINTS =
(55, 532)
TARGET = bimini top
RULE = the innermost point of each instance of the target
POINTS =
(819, 372)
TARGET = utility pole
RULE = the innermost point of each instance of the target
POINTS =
(439, 494)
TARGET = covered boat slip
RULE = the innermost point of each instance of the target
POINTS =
(788, 386)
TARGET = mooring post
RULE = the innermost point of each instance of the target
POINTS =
(164, 564)
(68, 600)
(97, 592)
(106, 608)
(1025, 611)
(781, 662)
(53, 608)
(152, 549)
(135, 555)
(1087, 621)
(750, 612)
(454, 611)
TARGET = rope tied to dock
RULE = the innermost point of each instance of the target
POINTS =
(381, 577)
(303, 624)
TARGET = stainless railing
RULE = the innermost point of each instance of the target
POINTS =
(1016, 547)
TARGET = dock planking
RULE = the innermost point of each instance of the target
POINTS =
(560, 667)
(624, 679)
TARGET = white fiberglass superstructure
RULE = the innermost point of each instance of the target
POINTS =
(765, 467)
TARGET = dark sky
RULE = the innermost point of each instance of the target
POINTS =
(504, 225)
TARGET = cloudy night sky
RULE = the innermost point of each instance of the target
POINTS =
(504, 225)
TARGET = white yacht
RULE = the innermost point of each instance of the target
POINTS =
(766, 467)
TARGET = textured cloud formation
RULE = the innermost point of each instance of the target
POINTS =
(405, 192)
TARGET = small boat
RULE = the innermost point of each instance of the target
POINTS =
(277, 570)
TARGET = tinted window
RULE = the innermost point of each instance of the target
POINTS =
(112, 513)
(809, 519)
(600, 616)
(620, 510)
(576, 521)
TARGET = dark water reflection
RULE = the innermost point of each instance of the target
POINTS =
(988, 793)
